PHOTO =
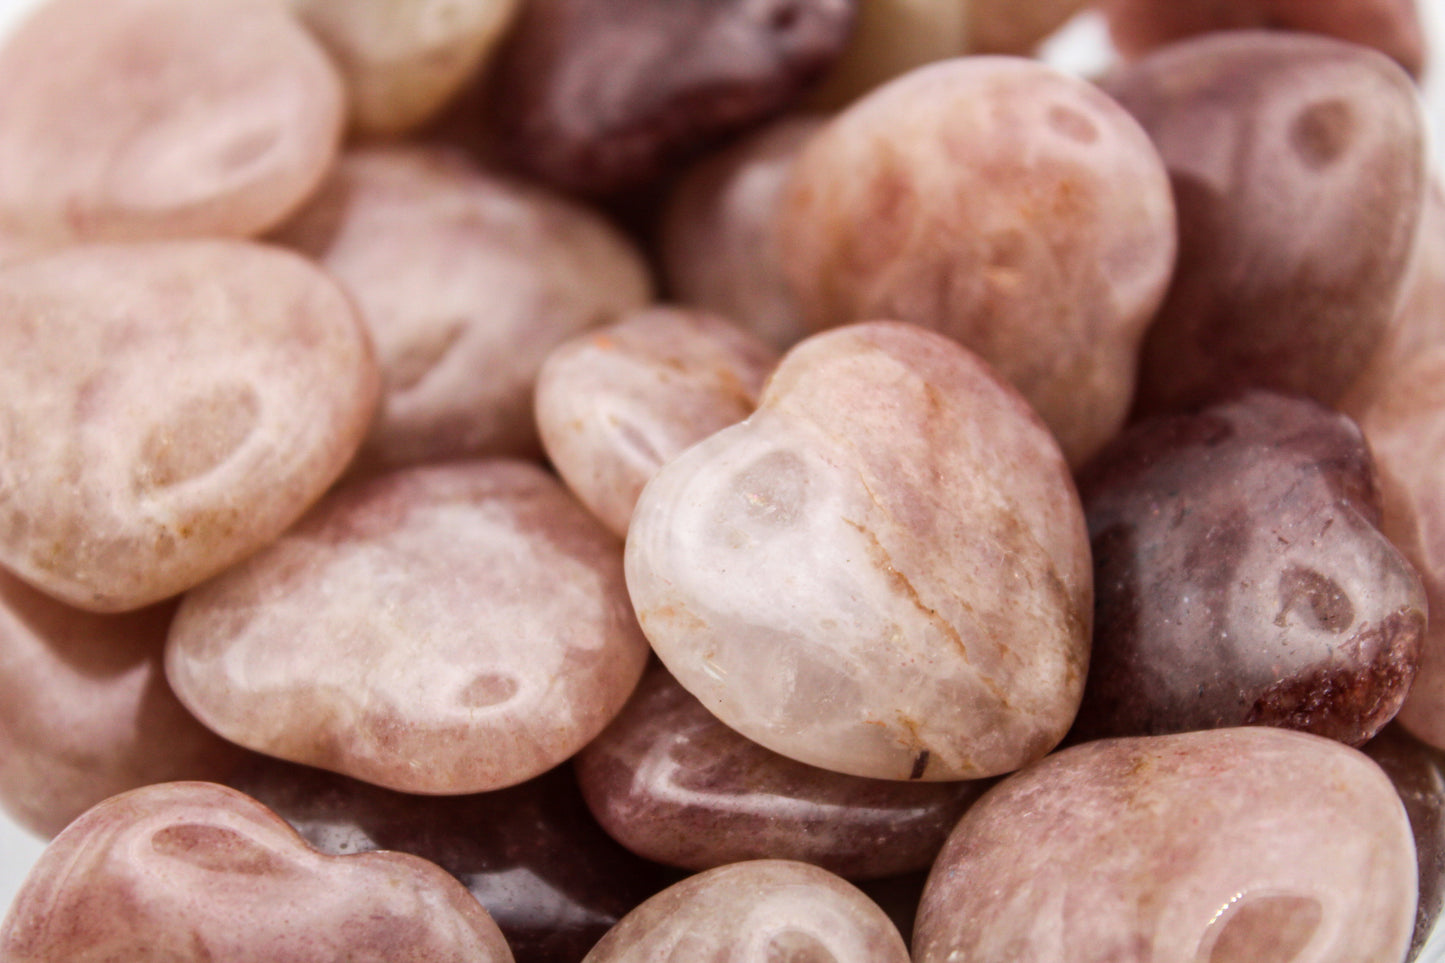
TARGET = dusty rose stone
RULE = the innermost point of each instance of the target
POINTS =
(1005, 204)
(449, 629)
(466, 282)
(719, 235)
(404, 59)
(882, 572)
(191, 871)
(755, 912)
(1390, 26)
(1418, 772)
(1405, 426)
(85, 711)
(1298, 168)
(615, 405)
(601, 95)
(532, 855)
(1241, 577)
(138, 119)
(1232, 846)
(674, 784)
(166, 409)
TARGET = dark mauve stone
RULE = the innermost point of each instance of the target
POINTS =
(672, 783)
(598, 96)
(532, 855)
(1418, 772)
(1241, 579)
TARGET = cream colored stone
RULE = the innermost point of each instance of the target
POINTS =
(883, 572)
(719, 233)
(466, 282)
(763, 911)
(404, 59)
(166, 409)
(140, 119)
(447, 629)
(615, 405)
(1006, 204)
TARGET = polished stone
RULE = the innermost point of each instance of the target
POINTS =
(192, 872)
(1418, 772)
(448, 629)
(883, 572)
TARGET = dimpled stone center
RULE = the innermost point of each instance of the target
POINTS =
(1265, 929)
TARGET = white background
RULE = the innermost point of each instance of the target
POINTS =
(1081, 47)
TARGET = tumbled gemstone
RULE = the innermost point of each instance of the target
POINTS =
(85, 711)
(446, 629)
(719, 235)
(674, 784)
(465, 282)
(193, 871)
(1016, 26)
(1226, 846)
(1010, 206)
(167, 408)
(1241, 577)
(600, 95)
(883, 572)
(404, 59)
(762, 911)
(532, 855)
(144, 119)
(1418, 772)
(615, 405)
(890, 38)
(1298, 166)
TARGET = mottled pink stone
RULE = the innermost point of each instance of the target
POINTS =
(167, 408)
(85, 710)
(139, 119)
(883, 572)
(448, 629)
(192, 872)
(1227, 846)
(764, 911)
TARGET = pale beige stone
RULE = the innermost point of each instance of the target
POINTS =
(445, 629)
(763, 911)
(1254, 845)
(719, 233)
(140, 119)
(85, 711)
(166, 409)
(884, 571)
(191, 872)
(890, 38)
(615, 405)
(1006, 204)
(404, 59)
(466, 282)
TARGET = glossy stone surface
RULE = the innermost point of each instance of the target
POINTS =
(85, 711)
(166, 409)
(1405, 426)
(1390, 26)
(719, 236)
(1005, 204)
(883, 572)
(192, 871)
(1241, 577)
(449, 629)
(674, 784)
(132, 119)
(404, 59)
(615, 405)
(532, 855)
(1418, 772)
(465, 281)
(1229, 846)
(601, 95)
(1298, 169)
(756, 912)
